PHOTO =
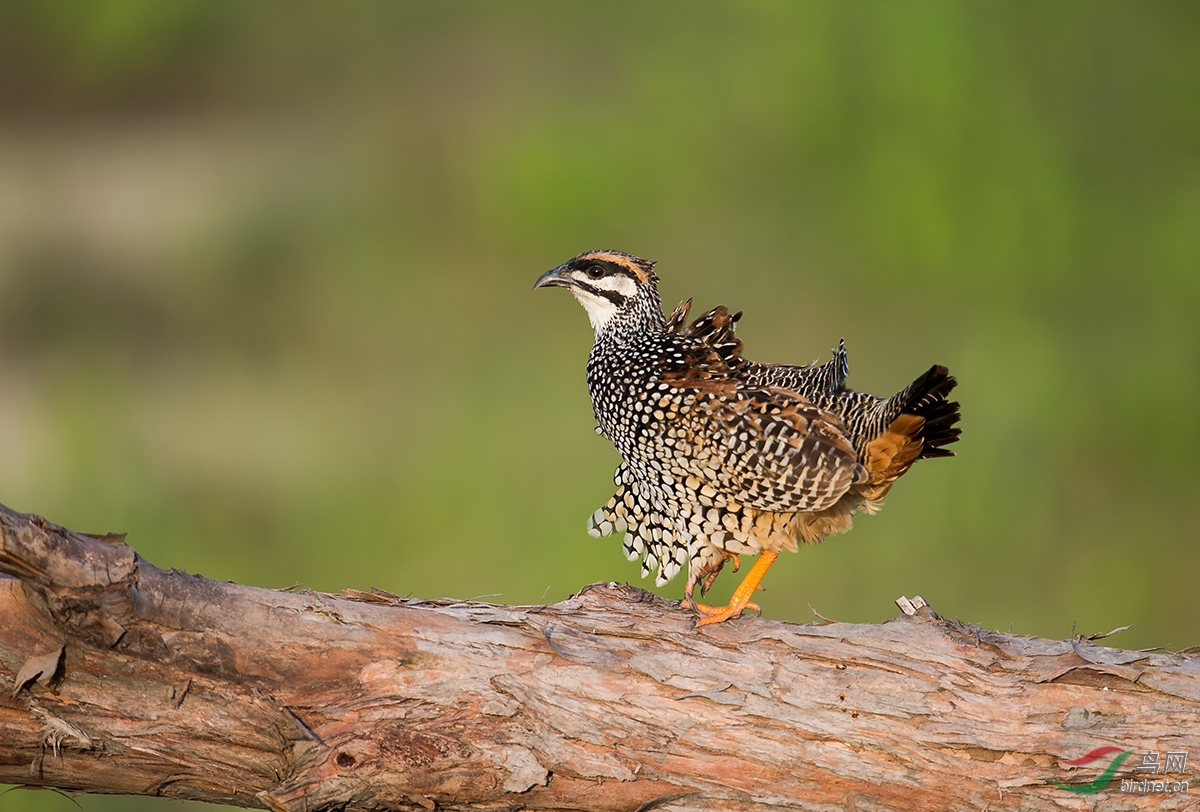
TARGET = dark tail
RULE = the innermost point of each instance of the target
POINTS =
(926, 397)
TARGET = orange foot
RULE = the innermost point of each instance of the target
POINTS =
(741, 596)
(716, 614)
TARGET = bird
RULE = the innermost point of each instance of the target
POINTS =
(722, 456)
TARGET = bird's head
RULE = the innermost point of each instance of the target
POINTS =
(613, 287)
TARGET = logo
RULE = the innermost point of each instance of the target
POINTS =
(1106, 777)
(1174, 762)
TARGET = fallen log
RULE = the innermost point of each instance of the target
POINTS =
(119, 677)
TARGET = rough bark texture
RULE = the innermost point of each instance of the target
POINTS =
(116, 676)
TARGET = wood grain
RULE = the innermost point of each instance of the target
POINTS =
(171, 684)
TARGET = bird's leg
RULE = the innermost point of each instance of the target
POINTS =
(689, 588)
(711, 575)
(741, 596)
(705, 577)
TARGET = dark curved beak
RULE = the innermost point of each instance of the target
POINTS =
(554, 278)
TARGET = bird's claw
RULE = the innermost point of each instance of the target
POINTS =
(718, 614)
(711, 575)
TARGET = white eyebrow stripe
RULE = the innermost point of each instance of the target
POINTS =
(618, 283)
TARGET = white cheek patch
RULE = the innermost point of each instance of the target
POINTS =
(600, 310)
(620, 284)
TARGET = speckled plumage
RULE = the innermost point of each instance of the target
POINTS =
(722, 455)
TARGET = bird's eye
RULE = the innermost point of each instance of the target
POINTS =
(595, 272)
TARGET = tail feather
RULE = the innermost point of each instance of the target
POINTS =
(940, 430)
(916, 423)
(926, 397)
(928, 400)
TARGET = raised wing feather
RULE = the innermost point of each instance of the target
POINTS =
(817, 382)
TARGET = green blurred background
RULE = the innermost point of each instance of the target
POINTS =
(265, 278)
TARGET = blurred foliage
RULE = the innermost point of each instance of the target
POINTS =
(265, 272)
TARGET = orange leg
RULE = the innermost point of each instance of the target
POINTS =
(741, 597)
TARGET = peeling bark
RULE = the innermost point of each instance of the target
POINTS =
(116, 676)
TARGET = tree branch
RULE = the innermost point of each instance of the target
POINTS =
(116, 676)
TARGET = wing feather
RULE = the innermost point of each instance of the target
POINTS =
(757, 446)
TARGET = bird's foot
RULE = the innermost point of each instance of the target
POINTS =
(717, 614)
(711, 575)
(741, 596)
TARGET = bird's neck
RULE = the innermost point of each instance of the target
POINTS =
(643, 317)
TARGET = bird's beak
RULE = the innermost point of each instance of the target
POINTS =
(555, 278)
